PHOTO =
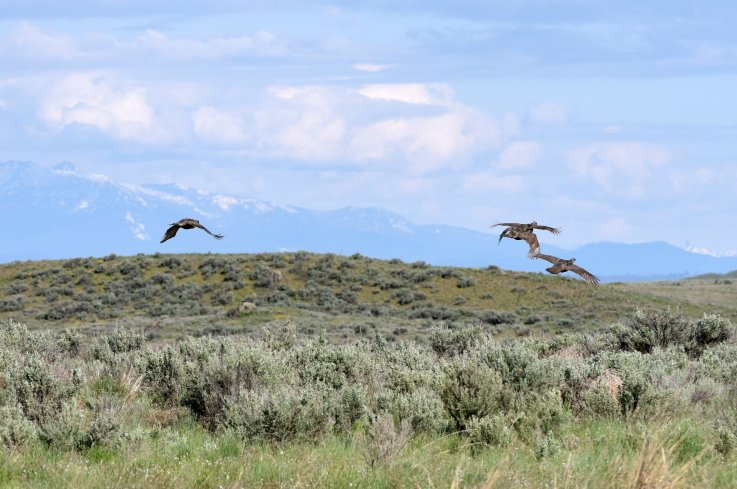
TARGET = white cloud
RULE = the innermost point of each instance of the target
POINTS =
(371, 67)
(27, 40)
(218, 126)
(427, 143)
(304, 123)
(621, 168)
(92, 99)
(548, 113)
(410, 93)
(322, 124)
(520, 154)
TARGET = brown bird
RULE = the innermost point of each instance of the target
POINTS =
(526, 233)
(187, 224)
(561, 266)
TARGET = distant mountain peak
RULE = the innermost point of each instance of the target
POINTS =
(706, 251)
(65, 166)
(93, 215)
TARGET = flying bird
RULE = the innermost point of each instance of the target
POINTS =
(187, 224)
(561, 266)
(525, 232)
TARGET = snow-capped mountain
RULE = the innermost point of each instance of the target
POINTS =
(61, 213)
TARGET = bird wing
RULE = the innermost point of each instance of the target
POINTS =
(548, 228)
(171, 232)
(509, 224)
(217, 236)
(531, 239)
(583, 273)
(549, 258)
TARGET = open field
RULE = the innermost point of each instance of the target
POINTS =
(351, 372)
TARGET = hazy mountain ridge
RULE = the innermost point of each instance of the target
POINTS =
(60, 213)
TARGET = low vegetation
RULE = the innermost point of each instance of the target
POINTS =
(172, 296)
(649, 402)
(306, 370)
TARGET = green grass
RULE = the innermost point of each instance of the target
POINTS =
(595, 454)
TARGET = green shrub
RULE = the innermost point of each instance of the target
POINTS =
(164, 375)
(452, 342)
(15, 429)
(709, 330)
(648, 330)
(282, 413)
(423, 408)
(490, 431)
(75, 428)
(469, 389)
(38, 387)
(498, 317)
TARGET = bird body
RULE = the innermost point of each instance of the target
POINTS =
(187, 223)
(525, 232)
(561, 266)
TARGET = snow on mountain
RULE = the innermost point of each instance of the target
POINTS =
(62, 213)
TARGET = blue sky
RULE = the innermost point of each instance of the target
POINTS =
(614, 120)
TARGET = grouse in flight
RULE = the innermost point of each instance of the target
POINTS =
(526, 233)
(561, 266)
(187, 224)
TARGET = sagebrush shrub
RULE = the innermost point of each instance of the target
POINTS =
(709, 330)
(494, 430)
(39, 387)
(469, 389)
(283, 413)
(423, 408)
(452, 342)
(15, 429)
(648, 330)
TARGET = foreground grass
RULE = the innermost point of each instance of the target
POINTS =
(596, 454)
(651, 403)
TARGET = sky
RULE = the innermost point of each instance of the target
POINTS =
(616, 121)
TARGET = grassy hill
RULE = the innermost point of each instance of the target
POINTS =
(174, 295)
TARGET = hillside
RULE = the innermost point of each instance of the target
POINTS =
(173, 295)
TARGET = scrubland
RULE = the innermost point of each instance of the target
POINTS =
(351, 372)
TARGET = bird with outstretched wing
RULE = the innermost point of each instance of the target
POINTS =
(561, 266)
(525, 232)
(187, 223)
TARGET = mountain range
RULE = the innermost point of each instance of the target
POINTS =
(61, 213)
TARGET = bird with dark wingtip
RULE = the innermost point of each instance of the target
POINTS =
(187, 223)
(525, 232)
(561, 266)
